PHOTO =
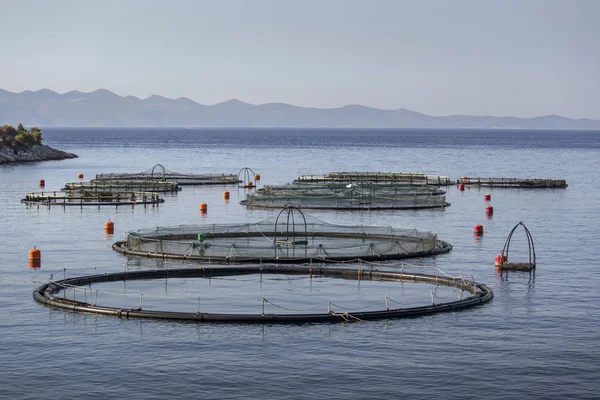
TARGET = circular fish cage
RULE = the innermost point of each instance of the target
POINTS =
(348, 196)
(291, 237)
(122, 186)
(92, 198)
(160, 173)
(267, 311)
(378, 177)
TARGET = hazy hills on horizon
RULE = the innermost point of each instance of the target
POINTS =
(103, 108)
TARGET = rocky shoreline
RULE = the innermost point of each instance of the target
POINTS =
(38, 152)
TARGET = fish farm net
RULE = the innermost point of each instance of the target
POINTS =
(289, 237)
(108, 186)
(374, 177)
(267, 293)
(351, 196)
(160, 173)
(92, 198)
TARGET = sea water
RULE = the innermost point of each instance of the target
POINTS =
(538, 338)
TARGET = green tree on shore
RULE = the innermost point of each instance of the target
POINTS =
(20, 138)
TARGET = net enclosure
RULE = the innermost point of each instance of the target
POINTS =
(160, 173)
(108, 186)
(523, 183)
(92, 198)
(374, 177)
(348, 196)
(289, 237)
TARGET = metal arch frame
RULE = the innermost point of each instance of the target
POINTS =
(529, 242)
(164, 171)
(290, 213)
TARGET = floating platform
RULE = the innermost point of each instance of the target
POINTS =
(479, 295)
(106, 186)
(515, 267)
(92, 199)
(160, 173)
(521, 183)
(378, 177)
(291, 238)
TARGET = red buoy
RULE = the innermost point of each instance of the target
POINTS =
(489, 210)
(257, 177)
(499, 260)
(42, 183)
(109, 227)
(80, 176)
(35, 258)
(461, 186)
(487, 197)
(478, 230)
(226, 195)
(249, 184)
(203, 207)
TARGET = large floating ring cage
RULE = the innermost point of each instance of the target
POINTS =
(291, 237)
(106, 186)
(270, 313)
(417, 178)
(92, 199)
(160, 173)
(521, 183)
(348, 196)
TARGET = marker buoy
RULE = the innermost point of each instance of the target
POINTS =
(461, 187)
(42, 183)
(226, 195)
(487, 197)
(35, 258)
(499, 260)
(249, 184)
(109, 227)
(257, 177)
(80, 176)
(203, 207)
(489, 210)
(478, 230)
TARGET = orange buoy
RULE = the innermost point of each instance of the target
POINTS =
(257, 177)
(35, 258)
(478, 230)
(489, 210)
(461, 186)
(203, 207)
(487, 197)
(109, 227)
(249, 184)
(80, 176)
(42, 183)
(226, 195)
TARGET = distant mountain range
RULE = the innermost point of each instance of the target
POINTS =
(103, 108)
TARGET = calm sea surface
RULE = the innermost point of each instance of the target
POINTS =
(538, 338)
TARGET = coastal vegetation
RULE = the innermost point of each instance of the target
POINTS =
(20, 138)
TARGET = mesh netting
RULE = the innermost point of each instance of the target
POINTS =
(158, 172)
(336, 195)
(108, 186)
(409, 177)
(91, 198)
(293, 238)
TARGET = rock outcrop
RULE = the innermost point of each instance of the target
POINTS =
(34, 153)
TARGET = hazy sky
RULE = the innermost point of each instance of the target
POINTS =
(521, 58)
